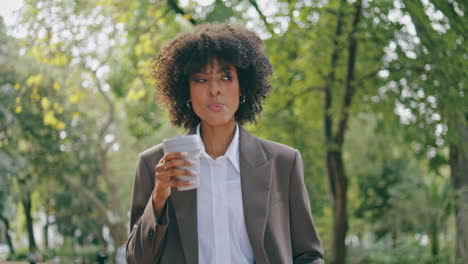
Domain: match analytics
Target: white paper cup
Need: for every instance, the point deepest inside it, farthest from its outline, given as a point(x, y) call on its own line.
point(191, 145)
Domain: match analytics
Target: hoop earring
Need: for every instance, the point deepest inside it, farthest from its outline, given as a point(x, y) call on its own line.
point(188, 104)
point(242, 99)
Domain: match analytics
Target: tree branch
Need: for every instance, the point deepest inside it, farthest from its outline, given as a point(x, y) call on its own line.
point(364, 77)
point(293, 97)
point(421, 23)
point(174, 6)
point(101, 209)
point(262, 16)
point(349, 85)
point(111, 117)
point(102, 148)
point(328, 120)
point(457, 23)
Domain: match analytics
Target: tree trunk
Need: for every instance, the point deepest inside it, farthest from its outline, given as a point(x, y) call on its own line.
point(27, 205)
point(340, 218)
point(457, 137)
point(7, 234)
point(117, 228)
point(434, 238)
point(111, 214)
point(46, 231)
point(459, 174)
point(337, 247)
point(335, 169)
point(394, 235)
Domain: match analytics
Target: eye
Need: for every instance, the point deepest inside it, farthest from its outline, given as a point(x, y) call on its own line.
point(227, 78)
point(199, 80)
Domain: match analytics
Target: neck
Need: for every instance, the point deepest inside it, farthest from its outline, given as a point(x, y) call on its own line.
point(217, 139)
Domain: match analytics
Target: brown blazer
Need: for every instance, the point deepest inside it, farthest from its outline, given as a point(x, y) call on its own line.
point(276, 208)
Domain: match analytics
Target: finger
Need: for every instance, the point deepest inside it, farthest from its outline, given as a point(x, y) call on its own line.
point(176, 183)
point(174, 155)
point(178, 163)
point(168, 157)
point(164, 165)
point(168, 174)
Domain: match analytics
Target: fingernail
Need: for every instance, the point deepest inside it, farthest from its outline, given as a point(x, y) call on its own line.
point(184, 154)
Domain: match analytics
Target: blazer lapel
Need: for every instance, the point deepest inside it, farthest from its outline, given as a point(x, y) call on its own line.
point(185, 209)
point(255, 172)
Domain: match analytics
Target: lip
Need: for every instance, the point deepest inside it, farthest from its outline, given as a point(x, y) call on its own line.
point(216, 107)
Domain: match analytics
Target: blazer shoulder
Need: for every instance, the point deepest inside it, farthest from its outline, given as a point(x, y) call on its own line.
point(153, 154)
point(275, 150)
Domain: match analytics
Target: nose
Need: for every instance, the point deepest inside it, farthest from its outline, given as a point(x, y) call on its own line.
point(214, 88)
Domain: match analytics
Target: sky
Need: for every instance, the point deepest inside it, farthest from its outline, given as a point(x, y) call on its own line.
point(7, 10)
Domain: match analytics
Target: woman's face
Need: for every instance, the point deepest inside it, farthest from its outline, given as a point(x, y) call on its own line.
point(214, 93)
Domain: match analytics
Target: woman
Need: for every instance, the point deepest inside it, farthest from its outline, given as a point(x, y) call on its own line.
point(252, 205)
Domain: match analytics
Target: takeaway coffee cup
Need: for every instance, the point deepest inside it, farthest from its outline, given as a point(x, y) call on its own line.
point(191, 145)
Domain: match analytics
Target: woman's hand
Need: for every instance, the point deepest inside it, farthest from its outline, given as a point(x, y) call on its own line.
point(165, 172)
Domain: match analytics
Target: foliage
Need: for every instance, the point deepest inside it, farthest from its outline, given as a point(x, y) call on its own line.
point(86, 254)
point(408, 251)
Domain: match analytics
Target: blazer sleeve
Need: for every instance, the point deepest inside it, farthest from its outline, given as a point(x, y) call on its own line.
point(305, 242)
point(147, 231)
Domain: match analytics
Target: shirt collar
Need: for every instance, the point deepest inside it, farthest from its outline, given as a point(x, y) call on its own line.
point(232, 153)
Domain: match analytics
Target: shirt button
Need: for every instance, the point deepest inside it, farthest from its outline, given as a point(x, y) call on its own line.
point(150, 235)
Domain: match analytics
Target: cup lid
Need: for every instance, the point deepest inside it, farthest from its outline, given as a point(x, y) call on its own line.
point(188, 141)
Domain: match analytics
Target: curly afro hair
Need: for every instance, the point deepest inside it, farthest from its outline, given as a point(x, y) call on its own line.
point(192, 51)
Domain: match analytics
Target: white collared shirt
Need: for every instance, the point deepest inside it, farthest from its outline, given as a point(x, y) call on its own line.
point(222, 234)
